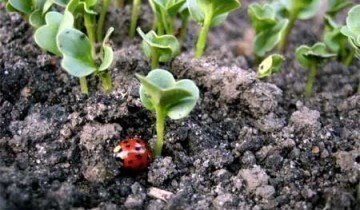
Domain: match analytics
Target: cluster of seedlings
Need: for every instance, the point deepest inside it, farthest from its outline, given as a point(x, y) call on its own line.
point(274, 21)
point(73, 30)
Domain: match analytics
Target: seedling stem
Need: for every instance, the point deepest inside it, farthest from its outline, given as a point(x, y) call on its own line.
point(106, 81)
point(83, 86)
point(200, 46)
point(101, 22)
point(154, 58)
point(184, 24)
point(311, 80)
point(288, 29)
point(90, 29)
point(160, 127)
point(134, 17)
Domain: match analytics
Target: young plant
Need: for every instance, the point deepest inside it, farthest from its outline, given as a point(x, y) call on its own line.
point(134, 17)
point(352, 28)
point(160, 93)
point(32, 10)
point(209, 13)
point(337, 42)
point(165, 12)
point(268, 28)
point(159, 48)
point(296, 10)
point(310, 58)
point(60, 37)
point(270, 65)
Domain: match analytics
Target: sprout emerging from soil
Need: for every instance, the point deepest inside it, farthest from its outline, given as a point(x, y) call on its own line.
point(159, 48)
point(268, 28)
point(59, 36)
point(270, 65)
point(296, 10)
point(310, 58)
point(165, 13)
point(160, 93)
point(209, 13)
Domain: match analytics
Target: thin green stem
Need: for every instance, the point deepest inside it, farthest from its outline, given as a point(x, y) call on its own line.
point(154, 58)
point(83, 85)
point(201, 43)
point(349, 58)
point(165, 23)
point(311, 80)
point(100, 25)
point(90, 30)
point(288, 29)
point(134, 17)
point(160, 128)
point(106, 81)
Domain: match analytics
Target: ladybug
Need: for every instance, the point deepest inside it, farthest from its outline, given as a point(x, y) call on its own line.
point(135, 154)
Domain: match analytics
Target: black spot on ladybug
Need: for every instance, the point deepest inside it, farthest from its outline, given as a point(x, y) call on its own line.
point(138, 141)
point(128, 146)
point(139, 157)
point(137, 148)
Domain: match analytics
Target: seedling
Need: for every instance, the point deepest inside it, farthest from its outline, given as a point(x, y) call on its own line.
point(337, 42)
point(268, 28)
point(352, 28)
point(270, 65)
point(209, 13)
point(160, 93)
point(165, 12)
point(296, 10)
point(310, 58)
point(134, 17)
point(31, 10)
point(60, 37)
point(159, 48)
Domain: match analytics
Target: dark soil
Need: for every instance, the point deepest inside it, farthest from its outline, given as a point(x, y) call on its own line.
point(248, 144)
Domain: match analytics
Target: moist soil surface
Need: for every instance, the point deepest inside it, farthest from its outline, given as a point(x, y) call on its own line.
point(248, 144)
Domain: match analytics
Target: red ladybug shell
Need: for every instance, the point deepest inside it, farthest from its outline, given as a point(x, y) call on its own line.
point(135, 154)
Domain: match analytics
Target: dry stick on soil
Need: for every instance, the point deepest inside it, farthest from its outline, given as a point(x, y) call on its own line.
point(160, 194)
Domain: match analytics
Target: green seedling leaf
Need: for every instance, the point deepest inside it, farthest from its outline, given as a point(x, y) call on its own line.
point(270, 65)
point(214, 10)
point(307, 56)
point(166, 47)
point(352, 28)
point(36, 19)
point(23, 6)
point(266, 40)
point(262, 17)
point(107, 52)
point(45, 36)
point(10, 8)
point(304, 9)
point(76, 50)
point(160, 93)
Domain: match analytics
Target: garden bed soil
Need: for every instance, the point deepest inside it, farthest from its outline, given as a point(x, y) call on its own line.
point(248, 144)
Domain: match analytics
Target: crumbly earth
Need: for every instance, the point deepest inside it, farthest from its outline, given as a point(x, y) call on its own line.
point(248, 144)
